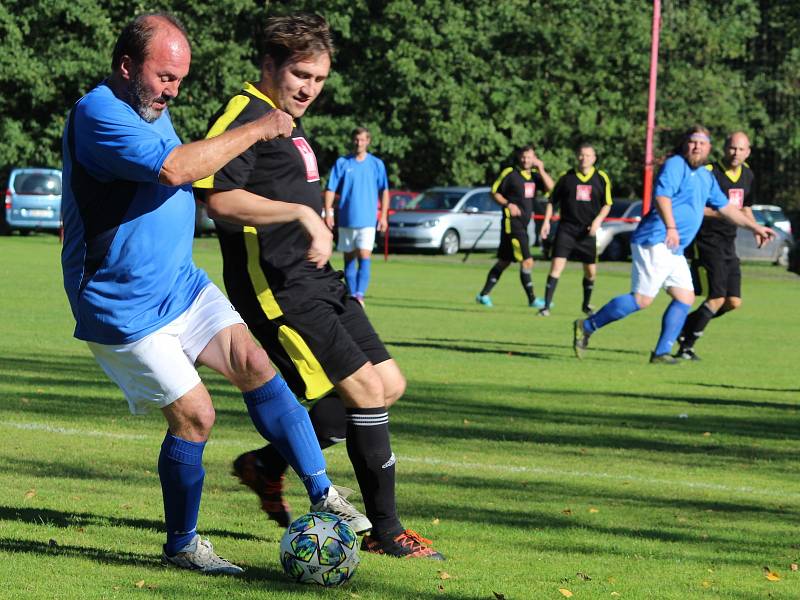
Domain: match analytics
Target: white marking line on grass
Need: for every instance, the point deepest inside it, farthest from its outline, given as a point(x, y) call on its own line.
point(478, 467)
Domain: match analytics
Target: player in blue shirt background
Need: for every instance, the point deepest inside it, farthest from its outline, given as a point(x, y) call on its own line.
point(683, 189)
point(360, 180)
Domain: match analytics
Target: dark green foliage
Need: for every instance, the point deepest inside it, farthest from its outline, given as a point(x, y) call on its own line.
point(449, 88)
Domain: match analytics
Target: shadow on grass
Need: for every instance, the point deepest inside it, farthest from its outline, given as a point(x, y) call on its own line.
point(57, 518)
point(727, 386)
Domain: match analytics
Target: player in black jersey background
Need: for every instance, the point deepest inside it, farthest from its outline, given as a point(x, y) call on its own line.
point(715, 266)
point(515, 190)
point(583, 198)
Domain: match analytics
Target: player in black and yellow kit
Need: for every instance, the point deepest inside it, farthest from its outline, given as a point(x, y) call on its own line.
point(715, 266)
point(514, 190)
point(583, 198)
point(278, 276)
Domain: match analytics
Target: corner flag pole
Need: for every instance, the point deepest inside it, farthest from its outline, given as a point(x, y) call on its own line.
point(651, 109)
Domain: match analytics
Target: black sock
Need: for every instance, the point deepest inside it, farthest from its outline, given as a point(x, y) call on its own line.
point(588, 287)
point(491, 280)
point(722, 311)
point(549, 290)
point(527, 285)
point(695, 324)
point(329, 418)
point(374, 464)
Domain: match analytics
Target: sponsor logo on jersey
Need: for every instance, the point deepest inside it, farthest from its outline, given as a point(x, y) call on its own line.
point(304, 148)
point(530, 189)
point(583, 193)
point(736, 197)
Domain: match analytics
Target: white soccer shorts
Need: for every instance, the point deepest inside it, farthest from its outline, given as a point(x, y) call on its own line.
point(351, 238)
point(656, 267)
point(159, 368)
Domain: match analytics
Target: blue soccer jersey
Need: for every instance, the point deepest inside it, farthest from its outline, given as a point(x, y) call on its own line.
point(358, 184)
point(690, 190)
point(127, 256)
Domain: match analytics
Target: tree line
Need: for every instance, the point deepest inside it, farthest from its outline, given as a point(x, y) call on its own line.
point(449, 88)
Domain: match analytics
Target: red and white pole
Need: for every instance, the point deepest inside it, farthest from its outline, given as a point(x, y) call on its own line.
point(651, 109)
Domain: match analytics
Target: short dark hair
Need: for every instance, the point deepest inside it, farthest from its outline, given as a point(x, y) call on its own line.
point(523, 149)
point(359, 131)
point(135, 38)
point(298, 36)
point(583, 146)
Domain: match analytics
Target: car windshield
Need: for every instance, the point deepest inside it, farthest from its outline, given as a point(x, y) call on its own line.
point(435, 200)
point(37, 184)
point(768, 216)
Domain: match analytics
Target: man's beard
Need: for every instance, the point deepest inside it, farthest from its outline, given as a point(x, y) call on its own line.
point(695, 161)
point(141, 101)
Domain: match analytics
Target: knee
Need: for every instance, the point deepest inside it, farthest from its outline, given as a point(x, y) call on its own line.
point(394, 389)
point(251, 368)
point(643, 301)
point(527, 264)
point(732, 303)
point(198, 424)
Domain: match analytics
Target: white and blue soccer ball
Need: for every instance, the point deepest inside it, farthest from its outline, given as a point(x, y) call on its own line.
point(319, 548)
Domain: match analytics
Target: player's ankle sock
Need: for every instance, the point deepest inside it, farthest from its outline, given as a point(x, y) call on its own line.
point(696, 324)
point(722, 311)
point(671, 325)
point(588, 287)
point(616, 309)
point(549, 290)
point(373, 461)
point(329, 418)
point(527, 284)
point(491, 280)
point(362, 279)
point(351, 274)
point(180, 468)
point(280, 419)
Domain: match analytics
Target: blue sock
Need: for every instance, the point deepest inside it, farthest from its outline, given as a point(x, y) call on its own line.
point(180, 468)
point(364, 272)
point(280, 419)
point(671, 325)
point(614, 310)
point(350, 274)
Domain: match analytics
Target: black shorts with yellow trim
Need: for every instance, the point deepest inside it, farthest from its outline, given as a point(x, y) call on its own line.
point(514, 243)
point(313, 331)
point(717, 274)
point(573, 242)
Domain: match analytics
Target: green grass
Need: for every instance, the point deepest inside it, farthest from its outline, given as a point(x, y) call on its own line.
point(532, 471)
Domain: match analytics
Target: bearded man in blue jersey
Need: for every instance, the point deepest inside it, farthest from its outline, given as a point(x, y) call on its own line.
point(147, 313)
point(683, 189)
point(360, 180)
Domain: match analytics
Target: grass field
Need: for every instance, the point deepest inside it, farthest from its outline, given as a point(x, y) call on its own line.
point(538, 476)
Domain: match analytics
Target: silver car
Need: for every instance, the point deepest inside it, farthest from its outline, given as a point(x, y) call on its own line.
point(33, 200)
point(449, 219)
point(776, 251)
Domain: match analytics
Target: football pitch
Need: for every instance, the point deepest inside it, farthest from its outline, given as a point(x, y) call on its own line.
point(537, 475)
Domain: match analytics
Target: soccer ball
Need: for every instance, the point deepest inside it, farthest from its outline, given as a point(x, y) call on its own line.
point(319, 548)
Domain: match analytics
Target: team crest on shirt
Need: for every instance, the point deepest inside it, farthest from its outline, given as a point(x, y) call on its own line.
point(310, 161)
point(583, 193)
point(736, 197)
point(530, 189)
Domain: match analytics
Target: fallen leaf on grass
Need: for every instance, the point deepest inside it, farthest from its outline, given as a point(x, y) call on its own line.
point(771, 575)
point(706, 434)
point(582, 576)
point(565, 592)
point(706, 584)
point(440, 587)
point(466, 422)
point(499, 596)
point(444, 575)
point(435, 521)
point(793, 566)
point(594, 510)
point(139, 584)
point(615, 594)
point(567, 511)
point(30, 494)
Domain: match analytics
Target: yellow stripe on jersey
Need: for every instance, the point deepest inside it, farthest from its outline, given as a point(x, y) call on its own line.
point(234, 108)
point(307, 365)
point(260, 285)
point(604, 175)
point(507, 220)
point(502, 176)
point(584, 178)
point(251, 89)
point(517, 249)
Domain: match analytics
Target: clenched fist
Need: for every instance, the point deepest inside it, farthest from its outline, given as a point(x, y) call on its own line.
point(275, 124)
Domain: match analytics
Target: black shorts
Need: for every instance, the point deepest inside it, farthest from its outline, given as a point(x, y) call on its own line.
point(717, 275)
point(314, 332)
point(573, 242)
point(514, 243)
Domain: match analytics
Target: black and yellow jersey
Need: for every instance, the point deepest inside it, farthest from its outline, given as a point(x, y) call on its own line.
point(519, 187)
point(579, 198)
point(738, 187)
point(281, 169)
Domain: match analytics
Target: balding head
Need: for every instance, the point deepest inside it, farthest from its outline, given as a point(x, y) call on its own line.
point(135, 39)
point(737, 150)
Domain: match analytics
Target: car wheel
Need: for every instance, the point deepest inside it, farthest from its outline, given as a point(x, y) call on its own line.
point(450, 242)
point(24, 232)
point(782, 260)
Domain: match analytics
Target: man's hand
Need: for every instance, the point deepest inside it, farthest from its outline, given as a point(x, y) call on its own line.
point(513, 209)
point(275, 124)
point(593, 229)
point(321, 238)
point(763, 235)
point(672, 239)
point(383, 223)
point(545, 230)
point(329, 219)
point(537, 163)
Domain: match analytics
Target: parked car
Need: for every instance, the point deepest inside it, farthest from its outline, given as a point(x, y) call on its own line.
point(448, 219)
point(777, 251)
point(614, 236)
point(400, 200)
point(33, 200)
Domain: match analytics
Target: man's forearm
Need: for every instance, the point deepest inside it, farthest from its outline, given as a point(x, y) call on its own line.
point(500, 199)
point(328, 201)
point(385, 204)
point(548, 181)
point(738, 217)
point(245, 208)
